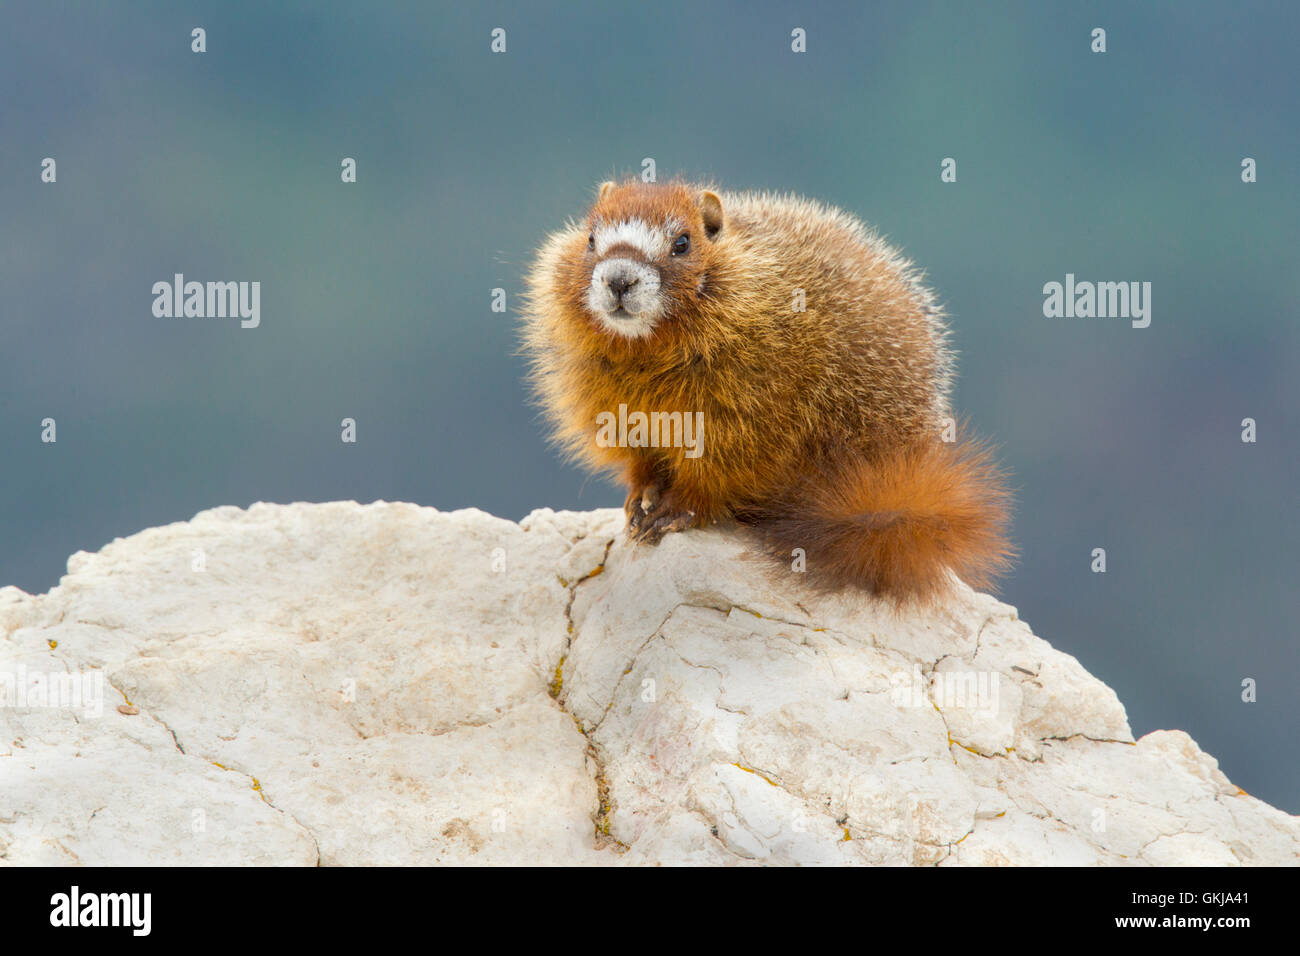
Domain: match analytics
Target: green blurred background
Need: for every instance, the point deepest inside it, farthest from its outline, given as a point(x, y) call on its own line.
point(376, 296)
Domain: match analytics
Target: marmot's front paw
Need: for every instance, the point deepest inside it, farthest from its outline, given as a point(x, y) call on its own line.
point(639, 500)
point(652, 513)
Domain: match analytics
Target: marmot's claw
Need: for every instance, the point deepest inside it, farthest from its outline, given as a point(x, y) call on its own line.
point(674, 522)
point(639, 525)
point(652, 512)
point(636, 507)
point(650, 526)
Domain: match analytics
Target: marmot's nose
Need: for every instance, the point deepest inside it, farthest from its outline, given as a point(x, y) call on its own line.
point(620, 284)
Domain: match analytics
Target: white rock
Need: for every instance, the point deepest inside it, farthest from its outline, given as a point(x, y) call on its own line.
point(387, 684)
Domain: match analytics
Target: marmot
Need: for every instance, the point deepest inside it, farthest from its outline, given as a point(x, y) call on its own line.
point(812, 355)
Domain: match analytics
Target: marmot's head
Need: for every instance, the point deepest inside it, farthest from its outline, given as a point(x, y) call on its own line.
point(648, 254)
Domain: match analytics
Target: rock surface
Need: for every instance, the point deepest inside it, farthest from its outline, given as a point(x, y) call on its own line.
point(388, 684)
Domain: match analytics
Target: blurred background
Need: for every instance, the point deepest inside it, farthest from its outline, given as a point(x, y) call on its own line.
point(376, 296)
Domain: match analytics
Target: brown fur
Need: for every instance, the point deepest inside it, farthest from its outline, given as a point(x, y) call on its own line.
point(896, 522)
point(821, 427)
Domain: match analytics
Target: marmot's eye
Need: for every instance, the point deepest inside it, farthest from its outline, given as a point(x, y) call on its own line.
point(681, 244)
point(591, 241)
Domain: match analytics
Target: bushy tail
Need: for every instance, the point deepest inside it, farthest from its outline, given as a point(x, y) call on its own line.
point(896, 524)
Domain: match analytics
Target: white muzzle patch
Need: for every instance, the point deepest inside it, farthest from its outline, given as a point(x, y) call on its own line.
point(651, 241)
point(624, 297)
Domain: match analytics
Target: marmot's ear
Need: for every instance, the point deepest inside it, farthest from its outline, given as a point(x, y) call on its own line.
point(605, 187)
point(711, 210)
